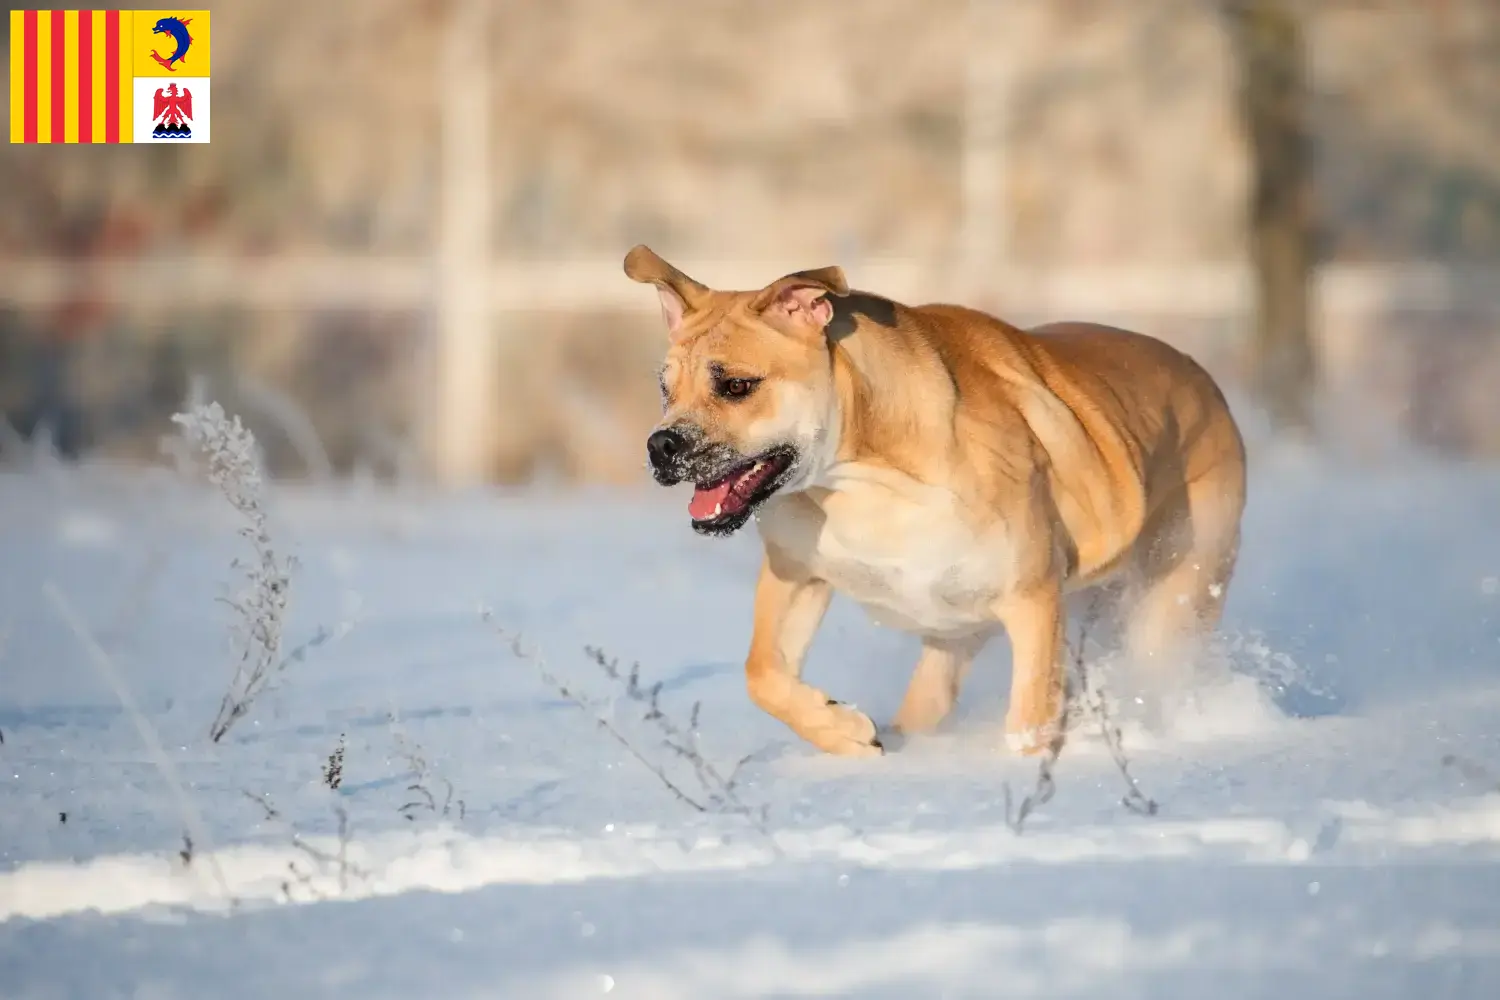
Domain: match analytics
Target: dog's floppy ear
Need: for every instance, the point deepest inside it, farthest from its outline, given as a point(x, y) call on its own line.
point(679, 293)
point(802, 295)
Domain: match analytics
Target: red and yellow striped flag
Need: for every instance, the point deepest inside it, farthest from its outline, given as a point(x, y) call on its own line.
point(71, 76)
point(91, 75)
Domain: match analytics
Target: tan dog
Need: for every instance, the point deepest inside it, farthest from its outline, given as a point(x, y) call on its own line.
point(950, 473)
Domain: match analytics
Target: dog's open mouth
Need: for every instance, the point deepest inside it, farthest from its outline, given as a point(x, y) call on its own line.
point(725, 504)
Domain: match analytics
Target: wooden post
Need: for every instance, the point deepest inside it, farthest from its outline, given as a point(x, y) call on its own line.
point(1268, 45)
point(997, 35)
point(462, 413)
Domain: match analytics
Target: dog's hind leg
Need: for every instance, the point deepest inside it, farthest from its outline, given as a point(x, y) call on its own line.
point(788, 610)
point(936, 681)
point(1182, 577)
point(1034, 621)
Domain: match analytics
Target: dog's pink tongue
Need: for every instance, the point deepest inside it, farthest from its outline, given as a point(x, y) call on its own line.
point(711, 501)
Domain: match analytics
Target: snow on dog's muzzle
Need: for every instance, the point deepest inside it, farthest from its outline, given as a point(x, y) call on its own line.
point(665, 449)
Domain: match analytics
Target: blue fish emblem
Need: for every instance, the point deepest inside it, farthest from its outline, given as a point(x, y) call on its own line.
point(177, 28)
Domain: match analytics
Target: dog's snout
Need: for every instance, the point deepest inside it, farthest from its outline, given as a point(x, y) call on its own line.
point(663, 446)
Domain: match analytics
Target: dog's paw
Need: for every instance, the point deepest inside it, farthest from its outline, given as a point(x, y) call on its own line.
point(1028, 741)
point(846, 731)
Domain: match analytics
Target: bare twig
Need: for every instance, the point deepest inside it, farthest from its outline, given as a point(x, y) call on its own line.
point(1134, 799)
point(720, 793)
point(339, 861)
point(196, 831)
point(1093, 701)
point(299, 876)
point(422, 773)
point(1081, 692)
point(720, 788)
point(1040, 795)
point(556, 683)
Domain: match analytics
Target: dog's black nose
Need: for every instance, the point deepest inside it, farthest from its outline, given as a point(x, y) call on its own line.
point(663, 446)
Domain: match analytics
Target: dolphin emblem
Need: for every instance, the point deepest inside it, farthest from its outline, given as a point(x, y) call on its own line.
point(177, 28)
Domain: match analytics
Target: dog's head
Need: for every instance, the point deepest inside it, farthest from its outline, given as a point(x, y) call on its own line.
point(748, 400)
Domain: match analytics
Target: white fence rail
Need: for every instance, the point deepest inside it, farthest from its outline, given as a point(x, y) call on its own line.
point(387, 284)
point(466, 397)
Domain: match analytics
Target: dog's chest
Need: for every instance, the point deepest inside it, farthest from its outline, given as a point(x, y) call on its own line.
point(901, 550)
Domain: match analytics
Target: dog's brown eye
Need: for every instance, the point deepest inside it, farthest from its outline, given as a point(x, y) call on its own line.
point(736, 388)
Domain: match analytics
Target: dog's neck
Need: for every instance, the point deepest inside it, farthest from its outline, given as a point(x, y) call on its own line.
point(880, 403)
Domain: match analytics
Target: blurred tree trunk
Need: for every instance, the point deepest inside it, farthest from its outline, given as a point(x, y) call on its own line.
point(1267, 45)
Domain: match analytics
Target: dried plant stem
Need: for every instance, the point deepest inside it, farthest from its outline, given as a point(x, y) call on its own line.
point(422, 772)
point(719, 790)
point(1080, 689)
point(197, 832)
point(338, 861)
point(234, 466)
point(1094, 701)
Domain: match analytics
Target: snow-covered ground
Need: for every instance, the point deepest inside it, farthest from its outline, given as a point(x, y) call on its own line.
point(1311, 840)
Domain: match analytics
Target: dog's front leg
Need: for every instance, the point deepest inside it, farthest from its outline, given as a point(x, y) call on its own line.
point(788, 610)
point(1034, 621)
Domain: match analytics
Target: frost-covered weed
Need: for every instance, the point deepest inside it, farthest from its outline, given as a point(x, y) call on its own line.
point(719, 791)
point(313, 878)
point(260, 603)
point(423, 777)
point(1085, 700)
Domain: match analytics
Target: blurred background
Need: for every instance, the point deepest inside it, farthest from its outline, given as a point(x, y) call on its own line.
point(400, 255)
